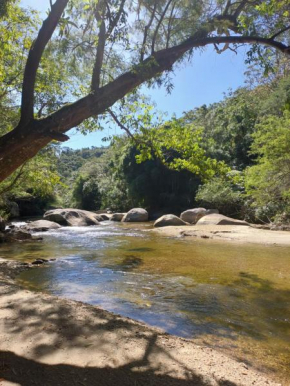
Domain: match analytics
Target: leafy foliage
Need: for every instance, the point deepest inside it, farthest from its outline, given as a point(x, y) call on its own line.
point(268, 182)
point(222, 194)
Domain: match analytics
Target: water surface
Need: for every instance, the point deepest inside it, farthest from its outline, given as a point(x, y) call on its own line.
point(231, 296)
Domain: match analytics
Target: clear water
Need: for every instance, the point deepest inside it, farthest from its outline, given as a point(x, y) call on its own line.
point(231, 296)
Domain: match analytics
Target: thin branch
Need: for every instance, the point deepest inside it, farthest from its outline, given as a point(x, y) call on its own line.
point(169, 25)
point(147, 27)
point(123, 127)
point(34, 58)
point(159, 24)
point(115, 21)
point(13, 182)
point(280, 32)
point(241, 7)
point(227, 7)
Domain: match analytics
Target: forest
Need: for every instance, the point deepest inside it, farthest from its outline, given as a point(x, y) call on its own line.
point(232, 155)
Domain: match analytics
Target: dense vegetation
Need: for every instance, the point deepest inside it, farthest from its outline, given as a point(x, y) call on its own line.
point(88, 55)
point(231, 155)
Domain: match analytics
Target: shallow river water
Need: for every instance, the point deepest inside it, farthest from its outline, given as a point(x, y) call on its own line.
point(232, 296)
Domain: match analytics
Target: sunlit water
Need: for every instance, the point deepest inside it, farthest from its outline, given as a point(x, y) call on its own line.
point(231, 296)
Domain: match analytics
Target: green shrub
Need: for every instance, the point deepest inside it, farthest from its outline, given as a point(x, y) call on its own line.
point(221, 194)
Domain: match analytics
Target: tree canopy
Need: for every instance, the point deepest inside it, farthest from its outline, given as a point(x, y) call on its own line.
point(109, 48)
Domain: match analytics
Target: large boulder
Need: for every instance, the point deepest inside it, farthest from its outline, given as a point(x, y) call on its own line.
point(117, 216)
point(41, 226)
point(136, 215)
point(72, 217)
point(219, 219)
point(167, 220)
point(16, 234)
point(193, 215)
point(2, 224)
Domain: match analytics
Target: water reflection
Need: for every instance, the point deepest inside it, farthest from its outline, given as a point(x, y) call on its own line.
point(231, 296)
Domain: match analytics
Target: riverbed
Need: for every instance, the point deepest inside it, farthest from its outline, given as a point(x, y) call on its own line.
point(232, 297)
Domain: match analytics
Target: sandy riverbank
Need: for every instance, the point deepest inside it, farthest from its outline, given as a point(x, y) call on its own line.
point(45, 340)
point(242, 234)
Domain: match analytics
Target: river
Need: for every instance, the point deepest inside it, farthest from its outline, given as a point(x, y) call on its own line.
point(234, 297)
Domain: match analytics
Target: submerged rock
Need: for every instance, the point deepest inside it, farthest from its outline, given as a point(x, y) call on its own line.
point(136, 215)
point(169, 219)
point(72, 217)
point(219, 219)
point(39, 261)
point(117, 216)
point(41, 226)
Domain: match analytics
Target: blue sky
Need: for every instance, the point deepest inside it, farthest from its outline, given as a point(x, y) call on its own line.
point(203, 81)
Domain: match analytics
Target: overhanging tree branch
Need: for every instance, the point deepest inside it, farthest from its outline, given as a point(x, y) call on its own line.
point(34, 58)
point(22, 143)
point(94, 104)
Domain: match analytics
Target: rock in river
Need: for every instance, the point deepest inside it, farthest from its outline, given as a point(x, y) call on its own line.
point(193, 215)
point(117, 216)
point(17, 234)
point(41, 226)
point(72, 217)
point(167, 220)
point(219, 219)
point(136, 215)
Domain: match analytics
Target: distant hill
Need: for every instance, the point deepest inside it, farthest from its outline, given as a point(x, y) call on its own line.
point(70, 160)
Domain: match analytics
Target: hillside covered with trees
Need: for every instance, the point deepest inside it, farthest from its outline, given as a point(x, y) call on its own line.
point(231, 155)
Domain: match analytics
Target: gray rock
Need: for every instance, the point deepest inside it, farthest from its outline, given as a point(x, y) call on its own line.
point(117, 216)
point(17, 234)
point(219, 219)
point(167, 220)
point(193, 215)
point(72, 217)
point(136, 215)
point(41, 225)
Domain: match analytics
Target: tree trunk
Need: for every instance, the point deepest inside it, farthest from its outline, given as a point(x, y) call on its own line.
point(17, 147)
